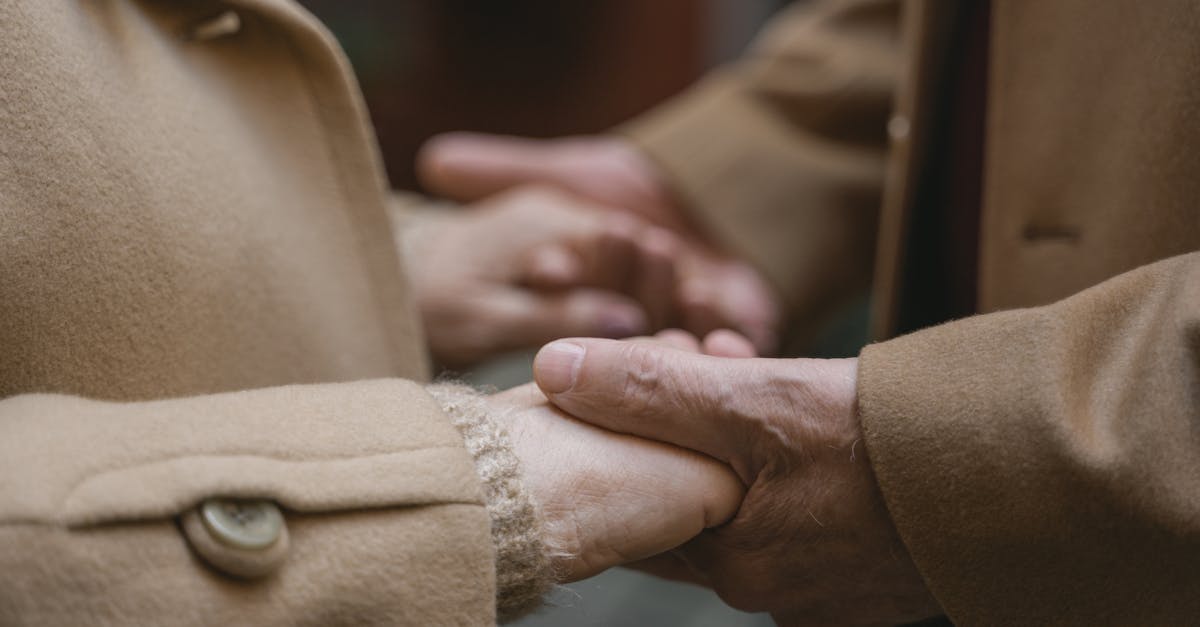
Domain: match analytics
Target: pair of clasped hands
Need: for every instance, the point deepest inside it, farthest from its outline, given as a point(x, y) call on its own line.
point(688, 458)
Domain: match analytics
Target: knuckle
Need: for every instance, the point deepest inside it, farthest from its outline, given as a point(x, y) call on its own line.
point(657, 379)
point(642, 381)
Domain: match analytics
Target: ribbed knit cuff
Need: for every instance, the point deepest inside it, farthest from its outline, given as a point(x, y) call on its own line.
point(523, 568)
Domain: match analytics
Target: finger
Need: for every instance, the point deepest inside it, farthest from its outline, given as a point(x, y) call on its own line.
point(650, 391)
point(673, 338)
point(612, 257)
point(722, 292)
point(470, 166)
point(553, 267)
point(678, 339)
point(612, 252)
point(726, 343)
point(654, 280)
point(624, 254)
point(604, 248)
point(751, 304)
point(700, 309)
point(526, 318)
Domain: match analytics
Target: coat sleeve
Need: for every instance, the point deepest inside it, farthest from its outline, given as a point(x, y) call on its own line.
point(780, 157)
point(1043, 465)
point(383, 515)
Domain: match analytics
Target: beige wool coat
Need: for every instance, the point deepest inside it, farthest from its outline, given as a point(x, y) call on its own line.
point(1042, 460)
point(200, 297)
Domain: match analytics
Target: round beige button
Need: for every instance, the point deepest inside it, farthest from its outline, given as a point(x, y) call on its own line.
point(242, 524)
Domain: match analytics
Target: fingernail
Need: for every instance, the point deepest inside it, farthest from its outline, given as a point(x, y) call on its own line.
point(557, 365)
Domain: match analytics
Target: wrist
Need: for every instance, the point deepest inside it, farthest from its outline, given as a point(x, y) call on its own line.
point(524, 572)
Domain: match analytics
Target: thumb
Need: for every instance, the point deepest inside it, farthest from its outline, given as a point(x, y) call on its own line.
point(471, 166)
point(650, 391)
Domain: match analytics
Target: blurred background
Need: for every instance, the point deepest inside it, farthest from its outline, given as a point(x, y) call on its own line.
point(542, 68)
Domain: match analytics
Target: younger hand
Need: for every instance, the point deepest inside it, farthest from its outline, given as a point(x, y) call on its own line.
point(717, 289)
point(531, 265)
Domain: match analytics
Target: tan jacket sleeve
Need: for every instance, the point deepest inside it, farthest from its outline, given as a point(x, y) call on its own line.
point(1043, 465)
point(382, 510)
point(781, 156)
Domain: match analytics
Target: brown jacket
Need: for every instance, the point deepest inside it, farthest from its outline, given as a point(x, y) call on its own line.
point(192, 207)
point(1042, 460)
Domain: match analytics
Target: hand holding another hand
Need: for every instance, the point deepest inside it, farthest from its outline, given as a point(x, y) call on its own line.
point(608, 498)
point(533, 264)
point(716, 290)
point(812, 543)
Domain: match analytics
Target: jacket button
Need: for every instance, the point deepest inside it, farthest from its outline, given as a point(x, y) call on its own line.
point(250, 525)
point(239, 537)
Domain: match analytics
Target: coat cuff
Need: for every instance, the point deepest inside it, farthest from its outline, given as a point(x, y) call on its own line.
point(1049, 455)
point(935, 428)
point(382, 509)
point(523, 566)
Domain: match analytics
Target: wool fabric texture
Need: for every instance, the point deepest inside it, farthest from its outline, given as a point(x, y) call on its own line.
point(523, 567)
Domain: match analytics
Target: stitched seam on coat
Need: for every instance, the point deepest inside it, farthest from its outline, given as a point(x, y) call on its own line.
point(77, 485)
point(274, 458)
point(82, 481)
point(28, 522)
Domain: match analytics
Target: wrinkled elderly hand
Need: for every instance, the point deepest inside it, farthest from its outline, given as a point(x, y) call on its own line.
point(812, 543)
point(717, 290)
point(531, 265)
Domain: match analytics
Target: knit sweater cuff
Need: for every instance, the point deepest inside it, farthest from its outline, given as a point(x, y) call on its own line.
point(523, 567)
